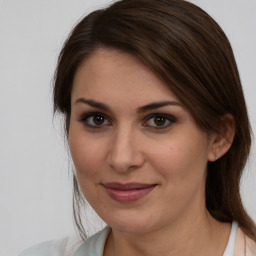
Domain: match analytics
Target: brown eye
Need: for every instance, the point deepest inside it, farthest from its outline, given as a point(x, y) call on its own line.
point(95, 120)
point(98, 120)
point(160, 120)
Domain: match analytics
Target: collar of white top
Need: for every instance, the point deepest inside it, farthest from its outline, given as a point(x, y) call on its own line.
point(94, 245)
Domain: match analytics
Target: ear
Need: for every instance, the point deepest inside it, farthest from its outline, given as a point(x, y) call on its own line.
point(223, 139)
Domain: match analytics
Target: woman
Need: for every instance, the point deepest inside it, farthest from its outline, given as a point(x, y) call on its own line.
point(158, 132)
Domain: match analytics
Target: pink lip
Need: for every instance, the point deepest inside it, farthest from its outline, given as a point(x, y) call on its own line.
point(128, 192)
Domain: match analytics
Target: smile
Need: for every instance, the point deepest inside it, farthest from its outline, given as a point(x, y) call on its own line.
point(128, 192)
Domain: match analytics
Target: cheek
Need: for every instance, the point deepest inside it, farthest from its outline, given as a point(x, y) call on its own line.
point(87, 156)
point(182, 165)
point(181, 158)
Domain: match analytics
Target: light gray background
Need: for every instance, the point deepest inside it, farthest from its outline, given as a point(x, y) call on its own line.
point(35, 184)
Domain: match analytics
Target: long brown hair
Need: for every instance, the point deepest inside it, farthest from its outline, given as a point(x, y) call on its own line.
point(190, 53)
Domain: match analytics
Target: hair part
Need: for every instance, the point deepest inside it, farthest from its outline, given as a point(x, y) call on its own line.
point(189, 52)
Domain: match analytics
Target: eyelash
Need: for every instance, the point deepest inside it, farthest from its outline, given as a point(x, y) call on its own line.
point(86, 117)
point(165, 118)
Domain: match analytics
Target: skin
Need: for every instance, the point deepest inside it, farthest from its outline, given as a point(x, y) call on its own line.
point(127, 144)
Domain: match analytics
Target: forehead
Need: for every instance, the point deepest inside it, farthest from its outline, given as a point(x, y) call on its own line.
point(110, 73)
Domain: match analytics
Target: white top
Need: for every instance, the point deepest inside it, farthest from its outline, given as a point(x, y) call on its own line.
point(238, 245)
point(229, 251)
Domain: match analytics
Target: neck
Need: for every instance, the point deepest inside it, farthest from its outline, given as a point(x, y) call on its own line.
point(200, 235)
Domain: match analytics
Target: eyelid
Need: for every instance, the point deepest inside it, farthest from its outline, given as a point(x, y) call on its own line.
point(89, 114)
point(86, 116)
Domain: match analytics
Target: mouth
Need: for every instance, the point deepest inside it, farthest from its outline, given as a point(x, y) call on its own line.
point(128, 192)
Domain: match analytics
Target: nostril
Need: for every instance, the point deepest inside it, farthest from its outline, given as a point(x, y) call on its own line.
point(125, 162)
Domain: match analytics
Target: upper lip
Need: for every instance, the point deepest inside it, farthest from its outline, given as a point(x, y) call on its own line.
point(127, 186)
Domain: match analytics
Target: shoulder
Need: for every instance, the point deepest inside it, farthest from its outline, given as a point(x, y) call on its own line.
point(42, 249)
point(61, 247)
point(250, 246)
point(244, 245)
point(71, 246)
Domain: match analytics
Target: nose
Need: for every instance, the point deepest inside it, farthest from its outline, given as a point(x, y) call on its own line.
point(124, 152)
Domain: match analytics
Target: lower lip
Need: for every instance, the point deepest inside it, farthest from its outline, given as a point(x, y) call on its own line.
point(125, 196)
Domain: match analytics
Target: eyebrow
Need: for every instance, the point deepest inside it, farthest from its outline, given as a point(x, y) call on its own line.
point(148, 107)
point(93, 103)
point(156, 105)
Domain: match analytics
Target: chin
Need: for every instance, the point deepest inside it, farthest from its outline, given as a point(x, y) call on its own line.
point(130, 223)
point(135, 228)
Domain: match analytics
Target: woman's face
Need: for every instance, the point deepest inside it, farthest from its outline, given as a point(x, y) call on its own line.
point(139, 156)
